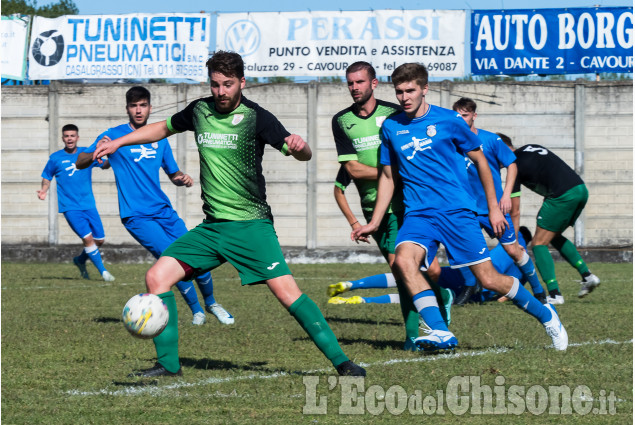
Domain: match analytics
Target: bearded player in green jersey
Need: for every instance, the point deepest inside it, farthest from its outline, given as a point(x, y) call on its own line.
point(231, 133)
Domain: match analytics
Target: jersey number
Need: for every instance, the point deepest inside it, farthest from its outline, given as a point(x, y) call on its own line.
point(540, 151)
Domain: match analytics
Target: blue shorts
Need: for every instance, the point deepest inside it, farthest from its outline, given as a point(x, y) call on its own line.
point(507, 238)
point(458, 231)
point(86, 222)
point(156, 232)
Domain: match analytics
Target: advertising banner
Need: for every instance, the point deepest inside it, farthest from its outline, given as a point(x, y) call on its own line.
point(163, 45)
point(325, 43)
point(552, 41)
point(13, 34)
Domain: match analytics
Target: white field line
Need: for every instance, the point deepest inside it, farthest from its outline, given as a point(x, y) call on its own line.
point(157, 390)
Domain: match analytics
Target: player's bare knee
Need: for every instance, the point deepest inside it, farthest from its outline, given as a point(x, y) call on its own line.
point(405, 266)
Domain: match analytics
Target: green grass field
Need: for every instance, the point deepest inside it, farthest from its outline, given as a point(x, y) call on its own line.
point(66, 355)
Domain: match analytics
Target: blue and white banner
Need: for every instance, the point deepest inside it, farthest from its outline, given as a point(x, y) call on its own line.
point(552, 41)
point(13, 34)
point(162, 45)
point(325, 43)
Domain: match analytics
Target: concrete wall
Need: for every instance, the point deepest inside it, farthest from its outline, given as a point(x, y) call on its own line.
point(589, 124)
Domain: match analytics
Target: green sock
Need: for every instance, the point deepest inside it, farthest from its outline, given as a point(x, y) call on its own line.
point(546, 267)
point(569, 252)
point(167, 343)
point(309, 316)
point(408, 311)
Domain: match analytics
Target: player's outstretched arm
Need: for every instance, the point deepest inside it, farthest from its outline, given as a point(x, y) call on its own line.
point(496, 218)
point(147, 134)
point(385, 190)
point(298, 148)
point(505, 203)
point(44, 189)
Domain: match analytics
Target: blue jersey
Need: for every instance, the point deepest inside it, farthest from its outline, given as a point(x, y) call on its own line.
point(498, 155)
point(428, 153)
point(136, 169)
point(74, 187)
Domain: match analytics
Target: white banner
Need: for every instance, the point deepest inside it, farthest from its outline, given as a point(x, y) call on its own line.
point(162, 45)
point(13, 32)
point(325, 43)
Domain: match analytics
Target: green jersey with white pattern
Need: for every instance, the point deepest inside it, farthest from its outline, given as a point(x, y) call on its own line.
point(230, 148)
point(358, 138)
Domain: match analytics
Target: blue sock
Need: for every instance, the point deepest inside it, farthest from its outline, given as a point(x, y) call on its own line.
point(383, 299)
point(92, 252)
point(468, 276)
point(384, 280)
point(426, 304)
point(82, 257)
point(524, 300)
point(526, 266)
point(189, 294)
point(206, 286)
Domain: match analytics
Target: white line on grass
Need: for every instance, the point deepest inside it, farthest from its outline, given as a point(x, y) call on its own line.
point(156, 390)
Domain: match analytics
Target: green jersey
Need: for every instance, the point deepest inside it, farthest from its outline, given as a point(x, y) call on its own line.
point(358, 138)
point(230, 148)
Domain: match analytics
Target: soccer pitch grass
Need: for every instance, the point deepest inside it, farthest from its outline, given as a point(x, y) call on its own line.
point(66, 355)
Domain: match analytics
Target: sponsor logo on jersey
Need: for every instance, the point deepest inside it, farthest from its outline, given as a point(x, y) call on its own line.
point(367, 142)
point(431, 131)
point(218, 140)
point(237, 119)
point(380, 120)
point(403, 132)
point(273, 266)
point(145, 153)
point(482, 250)
point(348, 127)
point(418, 145)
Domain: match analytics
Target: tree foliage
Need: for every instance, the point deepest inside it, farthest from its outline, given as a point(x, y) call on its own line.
point(30, 7)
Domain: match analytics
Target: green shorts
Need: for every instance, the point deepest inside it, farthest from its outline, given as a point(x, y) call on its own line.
point(386, 235)
point(556, 214)
point(251, 246)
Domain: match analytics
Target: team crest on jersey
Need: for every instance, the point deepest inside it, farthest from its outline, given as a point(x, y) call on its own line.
point(237, 119)
point(155, 145)
point(380, 120)
point(431, 131)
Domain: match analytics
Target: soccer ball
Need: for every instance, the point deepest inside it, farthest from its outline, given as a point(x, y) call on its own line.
point(145, 316)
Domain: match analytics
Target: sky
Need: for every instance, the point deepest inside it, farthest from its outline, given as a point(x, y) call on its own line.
point(92, 7)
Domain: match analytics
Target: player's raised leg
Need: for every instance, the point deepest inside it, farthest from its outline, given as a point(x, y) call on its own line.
point(309, 316)
point(522, 298)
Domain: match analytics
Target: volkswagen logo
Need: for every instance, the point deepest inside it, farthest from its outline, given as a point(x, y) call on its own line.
point(48, 48)
point(243, 37)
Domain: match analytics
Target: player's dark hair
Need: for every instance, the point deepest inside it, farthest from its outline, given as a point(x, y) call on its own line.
point(70, 127)
point(410, 72)
point(230, 64)
point(506, 139)
point(464, 104)
point(362, 65)
point(136, 94)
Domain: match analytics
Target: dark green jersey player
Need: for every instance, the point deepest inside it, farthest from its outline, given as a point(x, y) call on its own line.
point(565, 196)
point(231, 133)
